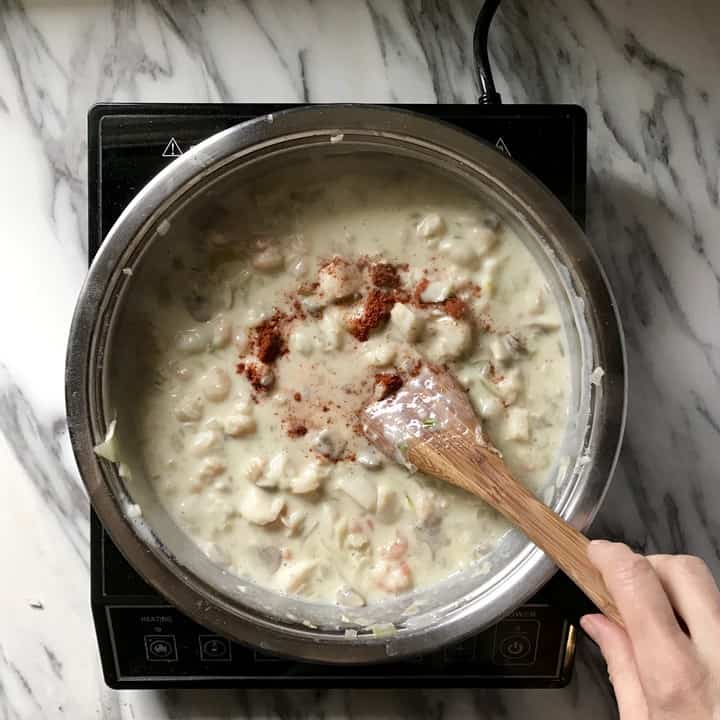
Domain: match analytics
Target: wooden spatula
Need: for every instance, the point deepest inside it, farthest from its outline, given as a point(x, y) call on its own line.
point(429, 424)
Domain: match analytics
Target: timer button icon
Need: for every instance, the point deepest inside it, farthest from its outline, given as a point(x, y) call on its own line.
point(215, 648)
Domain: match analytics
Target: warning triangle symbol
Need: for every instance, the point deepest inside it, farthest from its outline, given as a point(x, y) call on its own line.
point(502, 147)
point(172, 149)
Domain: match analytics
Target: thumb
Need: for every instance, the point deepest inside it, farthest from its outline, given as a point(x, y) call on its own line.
point(616, 648)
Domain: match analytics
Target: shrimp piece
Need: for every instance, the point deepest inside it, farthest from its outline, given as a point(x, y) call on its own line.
point(396, 550)
point(363, 524)
point(392, 576)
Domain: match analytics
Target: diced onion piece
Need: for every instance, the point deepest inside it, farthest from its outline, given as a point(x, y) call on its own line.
point(382, 630)
point(191, 342)
point(240, 340)
point(329, 444)
point(277, 471)
point(270, 557)
point(293, 520)
point(108, 447)
point(459, 251)
point(309, 479)
point(133, 511)
point(370, 458)
point(451, 339)
point(387, 503)
point(518, 424)
point(221, 332)
point(205, 441)
point(190, 409)
point(483, 239)
point(358, 487)
point(405, 323)
point(437, 291)
point(511, 386)
point(211, 467)
point(239, 424)
point(291, 577)
point(215, 384)
point(260, 507)
point(380, 354)
point(357, 540)
point(486, 277)
point(313, 304)
point(347, 597)
point(332, 329)
point(544, 324)
point(299, 267)
point(490, 407)
point(255, 468)
point(499, 350)
point(301, 340)
point(431, 225)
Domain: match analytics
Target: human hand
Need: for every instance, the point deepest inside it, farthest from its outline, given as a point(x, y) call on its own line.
point(658, 671)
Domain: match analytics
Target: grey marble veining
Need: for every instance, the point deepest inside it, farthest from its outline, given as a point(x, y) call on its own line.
point(647, 73)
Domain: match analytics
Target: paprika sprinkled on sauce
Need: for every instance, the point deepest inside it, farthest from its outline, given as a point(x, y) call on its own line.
point(375, 312)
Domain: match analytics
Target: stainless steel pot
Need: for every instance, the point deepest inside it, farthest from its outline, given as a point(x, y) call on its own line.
point(168, 560)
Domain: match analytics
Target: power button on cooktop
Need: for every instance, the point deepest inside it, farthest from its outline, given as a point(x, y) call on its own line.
point(516, 642)
point(515, 647)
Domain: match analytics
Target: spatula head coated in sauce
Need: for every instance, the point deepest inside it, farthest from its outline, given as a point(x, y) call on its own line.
point(430, 406)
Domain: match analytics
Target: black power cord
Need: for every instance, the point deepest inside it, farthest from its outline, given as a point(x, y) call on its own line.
point(488, 94)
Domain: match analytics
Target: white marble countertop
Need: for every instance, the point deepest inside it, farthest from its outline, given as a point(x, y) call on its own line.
point(647, 72)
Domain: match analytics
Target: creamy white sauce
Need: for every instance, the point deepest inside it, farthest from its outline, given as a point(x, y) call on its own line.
point(274, 481)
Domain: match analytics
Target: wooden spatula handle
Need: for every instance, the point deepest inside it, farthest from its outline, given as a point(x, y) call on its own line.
point(483, 473)
point(566, 546)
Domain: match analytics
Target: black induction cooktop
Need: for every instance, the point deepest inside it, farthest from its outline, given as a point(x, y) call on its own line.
point(146, 643)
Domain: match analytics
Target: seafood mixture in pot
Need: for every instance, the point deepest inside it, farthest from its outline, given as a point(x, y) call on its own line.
point(268, 332)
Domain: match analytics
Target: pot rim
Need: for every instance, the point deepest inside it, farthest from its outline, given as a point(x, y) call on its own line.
point(188, 172)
